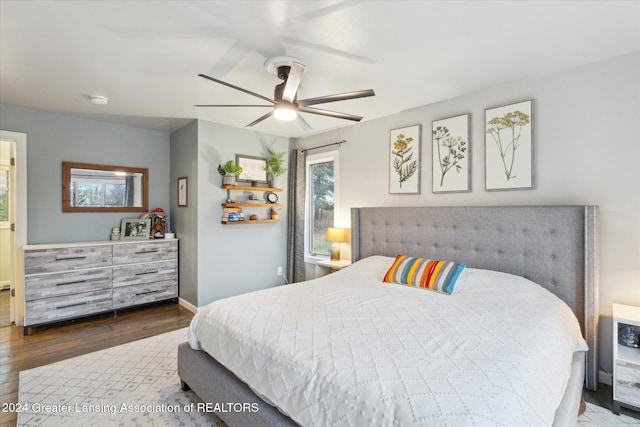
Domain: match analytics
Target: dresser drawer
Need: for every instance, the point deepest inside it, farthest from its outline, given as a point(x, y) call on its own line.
point(64, 259)
point(59, 284)
point(157, 250)
point(142, 294)
point(627, 383)
point(67, 307)
point(139, 274)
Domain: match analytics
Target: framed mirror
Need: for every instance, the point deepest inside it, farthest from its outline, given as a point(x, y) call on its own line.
point(101, 188)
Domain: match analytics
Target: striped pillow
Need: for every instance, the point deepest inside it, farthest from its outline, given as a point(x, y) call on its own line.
point(439, 276)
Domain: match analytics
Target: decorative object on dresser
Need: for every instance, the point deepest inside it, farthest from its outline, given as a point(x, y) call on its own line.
point(626, 357)
point(135, 229)
point(159, 223)
point(404, 160)
point(70, 280)
point(509, 147)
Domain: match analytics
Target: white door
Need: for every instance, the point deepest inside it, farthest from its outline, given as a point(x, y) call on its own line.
point(18, 219)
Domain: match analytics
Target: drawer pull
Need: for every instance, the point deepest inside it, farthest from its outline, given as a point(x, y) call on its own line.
point(71, 283)
point(149, 292)
point(72, 305)
point(152, 251)
point(72, 257)
point(147, 272)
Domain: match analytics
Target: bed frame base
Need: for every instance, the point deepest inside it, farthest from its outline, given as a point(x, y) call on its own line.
point(213, 383)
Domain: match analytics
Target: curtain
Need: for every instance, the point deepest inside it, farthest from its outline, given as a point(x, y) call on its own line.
point(295, 227)
point(128, 190)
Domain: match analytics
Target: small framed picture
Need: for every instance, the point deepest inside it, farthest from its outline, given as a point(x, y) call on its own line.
point(254, 169)
point(182, 192)
point(135, 228)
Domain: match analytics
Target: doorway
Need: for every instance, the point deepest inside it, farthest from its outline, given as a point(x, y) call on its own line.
point(13, 218)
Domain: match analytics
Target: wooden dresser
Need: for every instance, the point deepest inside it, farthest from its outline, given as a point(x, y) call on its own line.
point(70, 280)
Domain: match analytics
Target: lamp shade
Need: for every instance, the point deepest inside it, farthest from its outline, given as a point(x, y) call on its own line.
point(335, 235)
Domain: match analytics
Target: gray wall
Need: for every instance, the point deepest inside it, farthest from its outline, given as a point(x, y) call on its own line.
point(586, 152)
point(223, 260)
point(184, 220)
point(54, 138)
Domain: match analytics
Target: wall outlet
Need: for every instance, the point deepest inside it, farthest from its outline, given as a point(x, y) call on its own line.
point(279, 272)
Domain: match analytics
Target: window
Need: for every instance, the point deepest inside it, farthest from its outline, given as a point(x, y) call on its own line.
point(321, 200)
point(4, 194)
point(99, 191)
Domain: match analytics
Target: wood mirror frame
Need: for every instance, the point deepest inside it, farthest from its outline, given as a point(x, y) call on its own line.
point(66, 188)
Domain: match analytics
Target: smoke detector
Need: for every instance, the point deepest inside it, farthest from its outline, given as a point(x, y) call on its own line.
point(100, 100)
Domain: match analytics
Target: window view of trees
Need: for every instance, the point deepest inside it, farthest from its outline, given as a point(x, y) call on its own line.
point(4, 195)
point(322, 205)
point(89, 194)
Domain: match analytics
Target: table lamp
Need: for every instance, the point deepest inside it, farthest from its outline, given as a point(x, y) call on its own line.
point(335, 235)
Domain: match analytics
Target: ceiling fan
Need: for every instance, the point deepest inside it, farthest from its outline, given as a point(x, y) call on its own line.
point(285, 103)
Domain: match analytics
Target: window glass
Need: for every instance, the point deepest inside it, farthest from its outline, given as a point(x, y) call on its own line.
point(4, 194)
point(321, 202)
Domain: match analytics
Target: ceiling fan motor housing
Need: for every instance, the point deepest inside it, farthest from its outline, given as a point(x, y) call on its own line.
point(279, 89)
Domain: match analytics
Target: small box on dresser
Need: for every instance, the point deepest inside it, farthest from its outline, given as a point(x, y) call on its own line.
point(626, 357)
point(70, 280)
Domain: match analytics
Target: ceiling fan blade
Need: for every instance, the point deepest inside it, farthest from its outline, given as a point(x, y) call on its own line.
point(303, 123)
point(328, 113)
point(255, 122)
point(237, 88)
point(293, 81)
point(337, 97)
point(212, 105)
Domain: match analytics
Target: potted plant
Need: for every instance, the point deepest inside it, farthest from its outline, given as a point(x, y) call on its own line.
point(229, 171)
point(275, 166)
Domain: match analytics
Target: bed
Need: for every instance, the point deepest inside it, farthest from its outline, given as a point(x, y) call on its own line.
point(364, 352)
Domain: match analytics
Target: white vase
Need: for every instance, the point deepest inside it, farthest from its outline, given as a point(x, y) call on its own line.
point(229, 180)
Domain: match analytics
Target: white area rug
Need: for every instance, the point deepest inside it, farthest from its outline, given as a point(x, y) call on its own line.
point(136, 384)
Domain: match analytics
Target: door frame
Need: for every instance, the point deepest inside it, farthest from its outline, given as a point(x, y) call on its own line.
point(19, 236)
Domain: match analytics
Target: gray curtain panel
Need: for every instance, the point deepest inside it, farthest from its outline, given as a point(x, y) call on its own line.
point(295, 227)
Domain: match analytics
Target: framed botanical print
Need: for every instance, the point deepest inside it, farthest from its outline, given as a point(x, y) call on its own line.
point(254, 169)
point(451, 166)
point(509, 147)
point(404, 160)
point(182, 192)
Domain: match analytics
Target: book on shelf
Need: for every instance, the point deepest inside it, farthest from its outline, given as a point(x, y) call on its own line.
point(232, 214)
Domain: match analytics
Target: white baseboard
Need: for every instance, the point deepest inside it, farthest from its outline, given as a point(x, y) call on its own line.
point(5, 284)
point(186, 304)
point(605, 377)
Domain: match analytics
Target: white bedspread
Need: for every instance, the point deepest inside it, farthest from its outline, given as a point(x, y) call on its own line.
point(347, 349)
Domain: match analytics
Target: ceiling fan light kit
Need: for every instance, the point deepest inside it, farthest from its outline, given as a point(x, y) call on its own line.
point(285, 105)
point(285, 111)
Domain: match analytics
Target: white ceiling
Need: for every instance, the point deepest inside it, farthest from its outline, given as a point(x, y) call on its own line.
point(145, 55)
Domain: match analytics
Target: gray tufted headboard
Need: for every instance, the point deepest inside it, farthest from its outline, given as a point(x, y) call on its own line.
point(554, 246)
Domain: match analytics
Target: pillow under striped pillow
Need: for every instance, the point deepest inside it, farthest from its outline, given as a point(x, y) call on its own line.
point(439, 276)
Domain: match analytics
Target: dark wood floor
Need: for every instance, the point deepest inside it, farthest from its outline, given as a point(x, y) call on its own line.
point(49, 344)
